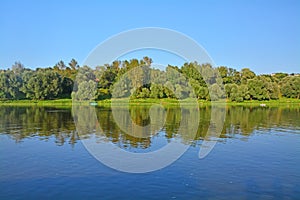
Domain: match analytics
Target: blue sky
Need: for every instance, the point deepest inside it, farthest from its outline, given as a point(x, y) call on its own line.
point(261, 35)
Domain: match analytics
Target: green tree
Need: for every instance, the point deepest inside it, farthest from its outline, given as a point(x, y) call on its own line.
point(203, 93)
point(228, 88)
point(74, 64)
point(169, 89)
point(145, 93)
point(246, 74)
point(239, 93)
point(290, 87)
point(157, 91)
point(87, 90)
point(43, 84)
point(215, 92)
point(10, 84)
point(277, 77)
point(258, 89)
point(18, 67)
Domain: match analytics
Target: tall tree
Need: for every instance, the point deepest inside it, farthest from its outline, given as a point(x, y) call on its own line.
point(74, 64)
point(18, 67)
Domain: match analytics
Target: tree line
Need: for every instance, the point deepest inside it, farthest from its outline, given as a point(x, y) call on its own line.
point(125, 78)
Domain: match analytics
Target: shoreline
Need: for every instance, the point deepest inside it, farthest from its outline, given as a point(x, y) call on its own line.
point(141, 102)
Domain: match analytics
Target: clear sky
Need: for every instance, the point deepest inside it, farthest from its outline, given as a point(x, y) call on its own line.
point(261, 35)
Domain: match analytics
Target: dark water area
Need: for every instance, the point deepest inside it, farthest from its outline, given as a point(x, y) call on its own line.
point(256, 156)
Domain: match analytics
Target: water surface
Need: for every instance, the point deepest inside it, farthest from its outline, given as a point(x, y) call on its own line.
point(256, 156)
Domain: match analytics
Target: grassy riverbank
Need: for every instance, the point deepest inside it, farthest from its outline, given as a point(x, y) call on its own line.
point(58, 102)
point(165, 102)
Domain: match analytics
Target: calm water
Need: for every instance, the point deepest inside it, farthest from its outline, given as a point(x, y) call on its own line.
point(256, 156)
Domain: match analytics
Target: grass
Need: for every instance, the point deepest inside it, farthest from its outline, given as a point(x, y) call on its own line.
point(164, 102)
point(270, 103)
point(57, 102)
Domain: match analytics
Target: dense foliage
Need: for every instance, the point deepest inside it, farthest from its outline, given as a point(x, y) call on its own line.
point(123, 79)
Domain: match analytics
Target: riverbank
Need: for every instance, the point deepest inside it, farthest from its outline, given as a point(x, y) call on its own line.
point(165, 102)
point(56, 102)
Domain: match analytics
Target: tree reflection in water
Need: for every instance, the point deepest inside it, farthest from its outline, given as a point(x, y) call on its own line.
point(45, 122)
